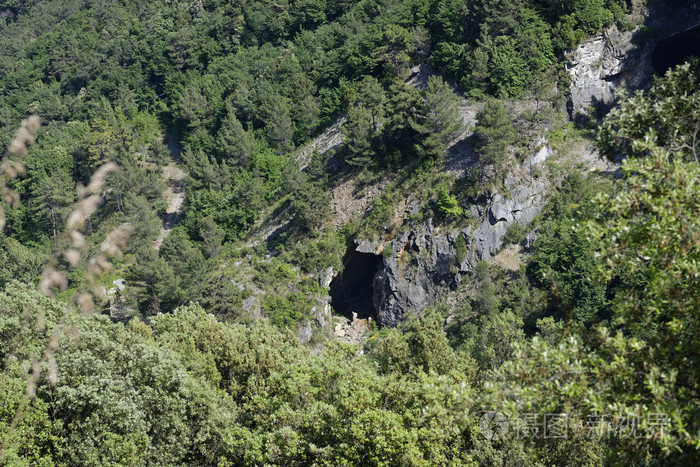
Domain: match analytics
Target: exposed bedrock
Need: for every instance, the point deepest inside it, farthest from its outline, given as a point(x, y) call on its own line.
point(629, 59)
point(386, 280)
point(423, 264)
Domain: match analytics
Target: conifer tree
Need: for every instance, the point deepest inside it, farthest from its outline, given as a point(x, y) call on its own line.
point(358, 136)
point(438, 120)
point(233, 142)
point(494, 132)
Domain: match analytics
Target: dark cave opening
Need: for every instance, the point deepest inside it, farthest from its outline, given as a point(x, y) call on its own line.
point(676, 50)
point(352, 289)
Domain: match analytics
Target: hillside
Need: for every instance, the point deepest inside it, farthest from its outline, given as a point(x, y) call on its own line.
point(372, 232)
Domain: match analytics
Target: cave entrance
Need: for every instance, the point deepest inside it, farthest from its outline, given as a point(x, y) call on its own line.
point(352, 289)
point(676, 50)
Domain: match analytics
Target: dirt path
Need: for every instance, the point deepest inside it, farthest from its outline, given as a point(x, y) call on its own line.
point(175, 193)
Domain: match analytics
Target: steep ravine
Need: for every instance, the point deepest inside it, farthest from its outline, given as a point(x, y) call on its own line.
point(424, 262)
point(384, 280)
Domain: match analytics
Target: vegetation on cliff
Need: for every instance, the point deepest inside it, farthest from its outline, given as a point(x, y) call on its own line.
point(587, 352)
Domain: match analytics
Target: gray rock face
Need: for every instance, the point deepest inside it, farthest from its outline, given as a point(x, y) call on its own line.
point(367, 246)
point(305, 333)
point(612, 60)
point(423, 264)
point(420, 266)
point(251, 306)
point(543, 152)
point(326, 277)
point(604, 63)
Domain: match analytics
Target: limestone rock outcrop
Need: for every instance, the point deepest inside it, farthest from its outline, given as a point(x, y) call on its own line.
point(605, 63)
point(424, 263)
point(623, 59)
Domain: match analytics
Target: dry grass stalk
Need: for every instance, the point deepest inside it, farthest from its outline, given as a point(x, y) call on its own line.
point(90, 200)
point(52, 278)
point(12, 168)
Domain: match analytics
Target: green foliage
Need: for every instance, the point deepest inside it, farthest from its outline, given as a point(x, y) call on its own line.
point(285, 311)
point(399, 131)
point(438, 120)
point(505, 48)
point(141, 214)
point(52, 198)
point(649, 236)
point(563, 257)
point(515, 234)
point(325, 251)
point(429, 349)
point(234, 143)
point(494, 132)
point(420, 126)
point(238, 86)
point(279, 130)
point(19, 262)
point(371, 95)
point(489, 340)
point(310, 207)
point(447, 205)
point(665, 116)
point(119, 398)
point(648, 228)
point(192, 389)
point(358, 133)
point(34, 437)
point(645, 231)
point(161, 285)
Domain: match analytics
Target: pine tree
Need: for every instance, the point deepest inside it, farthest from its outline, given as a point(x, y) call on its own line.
point(234, 143)
point(494, 132)
point(438, 121)
point(279, 128)
point(371, 95)
point(52, 198)
point(358, 136)
point(447, 204)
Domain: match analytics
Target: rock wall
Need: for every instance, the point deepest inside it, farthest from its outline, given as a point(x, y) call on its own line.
point(424, 263)
point(622, 59)
point(604, 63)
point(421, 265)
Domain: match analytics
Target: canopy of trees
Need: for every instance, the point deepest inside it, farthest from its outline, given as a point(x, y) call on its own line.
point(600, 326)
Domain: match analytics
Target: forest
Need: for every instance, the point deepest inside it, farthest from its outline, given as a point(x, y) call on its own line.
point(169, 212)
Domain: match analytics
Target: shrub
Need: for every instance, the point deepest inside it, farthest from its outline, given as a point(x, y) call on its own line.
point(447, 205)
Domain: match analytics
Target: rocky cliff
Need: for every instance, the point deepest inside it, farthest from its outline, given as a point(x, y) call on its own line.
point(425, 262)
point(385, 280)
point(624, 59)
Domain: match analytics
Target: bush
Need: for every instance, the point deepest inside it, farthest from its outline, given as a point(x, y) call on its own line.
point(286, 311)
point(494, 132)
point(447, 205)
point(515, 234)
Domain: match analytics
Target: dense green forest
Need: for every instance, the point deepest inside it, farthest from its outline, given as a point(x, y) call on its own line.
point(236, 87)
point(588, 350)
